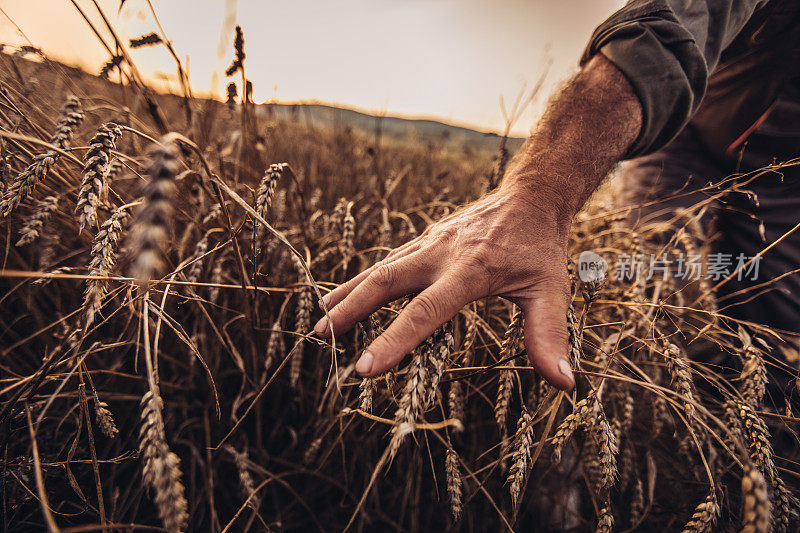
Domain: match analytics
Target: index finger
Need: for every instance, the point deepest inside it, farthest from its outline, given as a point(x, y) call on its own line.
point(339, 293)
point(417, 321)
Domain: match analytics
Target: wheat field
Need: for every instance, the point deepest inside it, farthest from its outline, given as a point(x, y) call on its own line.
point(163, 261)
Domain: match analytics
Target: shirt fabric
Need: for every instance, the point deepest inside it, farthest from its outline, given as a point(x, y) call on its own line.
point(724, 65)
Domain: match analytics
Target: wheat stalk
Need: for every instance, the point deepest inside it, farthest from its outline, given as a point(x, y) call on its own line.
point(583, 409)
point(348, 234)
point(592, 287)
point(704, 516)
point(115, 168)
point(212, 216)
point(455, 483)
point(521, 456)
point(368, 386)
point(337, 217)
point(103, 259)
point(70, 118)
point(608, 451)
point(575, 337)
point(111, 65)
point(754, 372)
point(105, 420)
point(239, 55)
point(660, 415)
point(689, 239)
point(755, 502)
point(246, 483)
point(626, 463)
point(455, 401)
point(151, 230)
point(148, 39)
point(23, 185)
point(41, 214)
point(305, 304)
point(95, 169)
point(266, 191)
point(438, 347)
point(469, 337)
point(624, 418)
point(605, 519)
point(637, 502)
point(505, 388)
point(385, 237)
point(757, 438)
point(411, 402)
point(161, 468)
point(279, 205)
point(196, 268)
point(216, 279)
point(681, 374)
point(785, 506)
point(275, 345)
point(313, 449)
point(367, 389)
point(391, 381)
point(599, 451)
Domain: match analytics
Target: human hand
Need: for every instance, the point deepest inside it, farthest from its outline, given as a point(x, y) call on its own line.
point(510, 243)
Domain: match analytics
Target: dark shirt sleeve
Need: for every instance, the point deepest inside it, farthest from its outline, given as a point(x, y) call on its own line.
point(667, 49)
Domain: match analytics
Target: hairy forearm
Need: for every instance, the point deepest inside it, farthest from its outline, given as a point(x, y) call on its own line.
point(585, 131)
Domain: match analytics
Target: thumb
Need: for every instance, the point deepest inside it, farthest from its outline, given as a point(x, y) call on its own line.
point(546, 336)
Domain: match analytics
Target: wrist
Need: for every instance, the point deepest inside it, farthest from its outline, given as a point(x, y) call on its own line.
point(535, 198)
point(550, 174)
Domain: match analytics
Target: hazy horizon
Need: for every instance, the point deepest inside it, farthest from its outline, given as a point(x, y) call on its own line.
point(444, 60)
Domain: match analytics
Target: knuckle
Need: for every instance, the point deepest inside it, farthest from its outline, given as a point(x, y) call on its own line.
point(443, 235)
point(477, 262)
point(424, 308)
point(387, 341)
point(390, 347)
point(384, 276)
point(478, 271)
point(346, 287)
point(343, 313)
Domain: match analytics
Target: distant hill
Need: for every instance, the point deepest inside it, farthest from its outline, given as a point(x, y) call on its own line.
point(319, 115)
point(394, 129)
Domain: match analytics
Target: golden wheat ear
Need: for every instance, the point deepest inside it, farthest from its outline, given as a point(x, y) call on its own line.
point(160, 467)
point(36, 172)
point(103, 260)
point(95, 173)
point(151, 230)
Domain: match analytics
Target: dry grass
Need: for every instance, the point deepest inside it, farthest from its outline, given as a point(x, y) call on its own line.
point(199, 311)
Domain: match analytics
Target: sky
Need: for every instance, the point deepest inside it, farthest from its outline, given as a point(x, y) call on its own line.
point(447, 59)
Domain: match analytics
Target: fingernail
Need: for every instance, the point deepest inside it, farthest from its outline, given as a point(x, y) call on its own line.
point(321, 326)
point(326, 300)
point(364, 364)
point(564, 368)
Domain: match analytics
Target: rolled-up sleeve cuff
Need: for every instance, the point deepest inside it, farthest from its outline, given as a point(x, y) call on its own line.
point(661, 61)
